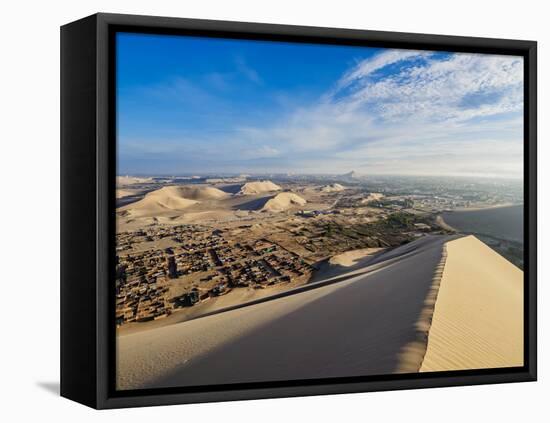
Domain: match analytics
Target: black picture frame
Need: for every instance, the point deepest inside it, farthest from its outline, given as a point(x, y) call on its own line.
point(87, 202)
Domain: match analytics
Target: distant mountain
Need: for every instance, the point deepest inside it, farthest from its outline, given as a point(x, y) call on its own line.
point(351, 175)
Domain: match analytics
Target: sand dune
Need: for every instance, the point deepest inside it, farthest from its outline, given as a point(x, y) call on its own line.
point(350, 258)
point(478, 318)
point(203, 216)
point(259, 187)
point(428, 305)
point(358, 325)
point(171, 198)
point(333, 188)
point(122, 193)
point(345, 263)
point(131, 180)
point(283, 201)
point(201, 193)
point(158, 202)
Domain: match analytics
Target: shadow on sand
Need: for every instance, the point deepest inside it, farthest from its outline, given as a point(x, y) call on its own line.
point(361, 328)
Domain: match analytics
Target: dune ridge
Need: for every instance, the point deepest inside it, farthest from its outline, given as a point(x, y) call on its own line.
point(131, 180)
point(478, 317)
point(283, 201)
point(412, 355)
point(271, 340)
point(200, 193)
point(437, 303)
point(171, 198)
point(157, 202)
point(259, 187)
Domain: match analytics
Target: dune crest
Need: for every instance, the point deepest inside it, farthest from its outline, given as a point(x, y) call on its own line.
point(157, 202)
point(283, 201)
point(200, 193)
point(259, 187)
point(378, 305)
point(478, 317)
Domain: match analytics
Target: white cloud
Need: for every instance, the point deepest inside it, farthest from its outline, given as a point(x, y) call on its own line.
point(461, 87)
point(398, 112)
point(453, 114)
point(366, 67)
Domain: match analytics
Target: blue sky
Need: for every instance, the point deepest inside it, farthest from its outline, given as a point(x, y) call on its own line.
point(205, 105)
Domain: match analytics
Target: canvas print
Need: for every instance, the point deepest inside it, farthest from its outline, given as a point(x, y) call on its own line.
point(294, 211)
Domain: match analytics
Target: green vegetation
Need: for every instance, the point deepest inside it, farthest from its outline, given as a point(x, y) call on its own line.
point(400, 219)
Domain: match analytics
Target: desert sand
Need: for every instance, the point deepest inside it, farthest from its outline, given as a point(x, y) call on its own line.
point(193, 192)
point(345, 264)
point(170, 199)
point(478, 317)
point(131, 180)
point(259, 187)
point(157, 202)
point(333, 188)
point(438, 303)
point(439, 220)
point(283, 201)
point(122, 193)
point(349, 325)
point(351, 258)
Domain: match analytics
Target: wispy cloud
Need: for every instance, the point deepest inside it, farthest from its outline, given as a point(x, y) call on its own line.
point(248, 71)
point(459, 87)
point(428, 114)
point(397, 112)
point(366, 68)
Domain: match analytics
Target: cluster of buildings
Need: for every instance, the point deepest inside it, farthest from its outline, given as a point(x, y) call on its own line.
point(270, 265)
point(202, 260)
point(258, 264)
point(141, 289)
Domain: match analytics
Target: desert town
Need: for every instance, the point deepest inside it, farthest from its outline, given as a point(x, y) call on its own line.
point(179, 245)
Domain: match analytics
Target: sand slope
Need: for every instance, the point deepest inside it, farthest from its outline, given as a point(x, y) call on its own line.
point(259, 187)
point(130, 180)
point(157, 202)
point(350, 258)
point(351, 326)
point(478, 318)
point(122, 193)
point(283, 201)
point(344, 263)
point(425, 306)
point(201, 193)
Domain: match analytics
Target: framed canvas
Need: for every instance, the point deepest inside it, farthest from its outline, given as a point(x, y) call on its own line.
point(255, 211)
